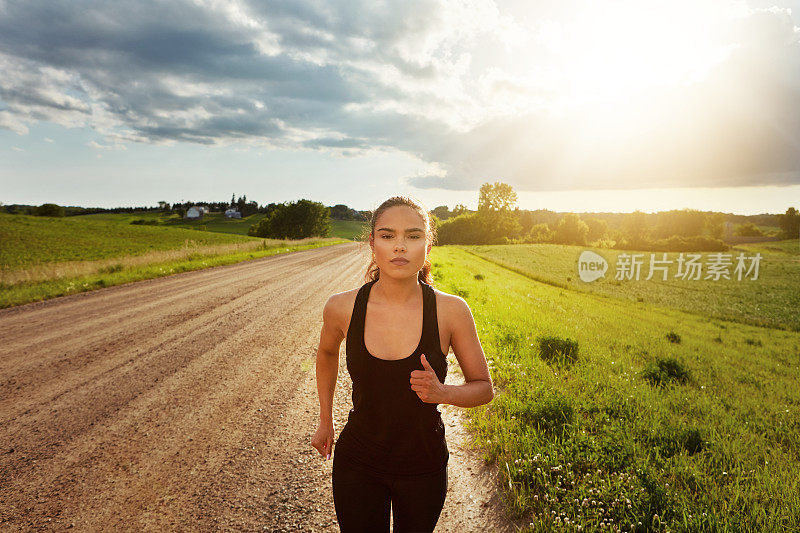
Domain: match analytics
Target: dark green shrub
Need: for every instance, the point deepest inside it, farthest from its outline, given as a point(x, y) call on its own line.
point(673, 337)
point(555, 350)
point(463, 293)
point(673, 440)
point(49, 210)
point(552, 413)
point(478, 276)
point(112, 268)
point(664, 370)
point(753, 342)
point(295, 220)
point(510, 341)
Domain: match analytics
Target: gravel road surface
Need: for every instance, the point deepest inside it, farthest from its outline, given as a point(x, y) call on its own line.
point(188, 403)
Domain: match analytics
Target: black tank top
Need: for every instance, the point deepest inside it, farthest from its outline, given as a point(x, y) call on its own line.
point(390, 430)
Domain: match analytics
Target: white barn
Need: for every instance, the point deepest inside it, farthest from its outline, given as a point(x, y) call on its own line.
point(232, 213)
point(196, 211)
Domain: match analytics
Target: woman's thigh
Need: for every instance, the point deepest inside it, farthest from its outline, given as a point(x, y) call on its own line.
point(417, 501)
point(361, 499)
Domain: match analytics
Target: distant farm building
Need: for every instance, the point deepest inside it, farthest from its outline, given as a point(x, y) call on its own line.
point(196, 212)
point(232, 213)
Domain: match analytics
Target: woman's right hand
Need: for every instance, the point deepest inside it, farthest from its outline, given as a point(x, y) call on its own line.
point(323, 439)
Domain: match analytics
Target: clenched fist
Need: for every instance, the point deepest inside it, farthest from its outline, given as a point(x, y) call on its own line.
point(426, 383)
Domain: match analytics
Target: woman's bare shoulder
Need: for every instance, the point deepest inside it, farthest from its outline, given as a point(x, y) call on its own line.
point(340, 305)
point(450, 304)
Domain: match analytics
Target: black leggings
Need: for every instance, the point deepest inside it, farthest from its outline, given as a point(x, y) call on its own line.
point(362, 499)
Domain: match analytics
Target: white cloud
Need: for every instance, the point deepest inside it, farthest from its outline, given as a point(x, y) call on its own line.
point(97, 146)
point(468, 86)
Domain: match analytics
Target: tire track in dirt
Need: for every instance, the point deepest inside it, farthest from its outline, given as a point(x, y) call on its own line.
point(185, 403)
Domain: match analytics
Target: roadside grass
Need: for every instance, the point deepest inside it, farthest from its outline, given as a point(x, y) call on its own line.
point(772, 300)
point(638, 433)
point(59, 279)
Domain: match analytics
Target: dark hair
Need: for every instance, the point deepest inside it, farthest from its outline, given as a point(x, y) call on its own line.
point(424, 275)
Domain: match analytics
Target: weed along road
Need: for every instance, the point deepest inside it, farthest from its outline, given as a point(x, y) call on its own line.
point(186, 402)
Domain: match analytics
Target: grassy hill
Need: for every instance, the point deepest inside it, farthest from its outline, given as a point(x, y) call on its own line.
point(616, 413)
point(29, 240)
point(347, 229)
point(44, 257)
point(771, 300)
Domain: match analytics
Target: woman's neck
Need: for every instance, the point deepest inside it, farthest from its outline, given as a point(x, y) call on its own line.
point(399, 291)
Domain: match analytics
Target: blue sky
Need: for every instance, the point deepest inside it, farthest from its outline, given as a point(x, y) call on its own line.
point(638, 105)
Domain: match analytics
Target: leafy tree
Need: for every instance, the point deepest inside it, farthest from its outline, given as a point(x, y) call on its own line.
point(499, 226)
point(495, 212)
point(496, 197)
point(442, 212)
point(571, 230)
point(634, 228)
point(49, 210)
point(296, 220)
point(459, 209)
point(598, 228)
point(526, 220)
point(339, 212)
point(748, 229)
point(790, 223)
point(539, 233)
point(463, 229)
point(342, 212)
point(715, 224)
point(683, 223)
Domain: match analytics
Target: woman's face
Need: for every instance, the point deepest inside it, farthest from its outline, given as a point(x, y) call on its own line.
point(399, 234)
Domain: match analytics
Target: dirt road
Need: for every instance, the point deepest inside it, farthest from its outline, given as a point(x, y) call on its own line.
point(188, 403)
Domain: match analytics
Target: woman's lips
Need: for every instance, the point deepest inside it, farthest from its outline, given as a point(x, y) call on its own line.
point(399, 262)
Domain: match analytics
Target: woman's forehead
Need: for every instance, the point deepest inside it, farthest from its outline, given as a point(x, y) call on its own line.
point(400, 217)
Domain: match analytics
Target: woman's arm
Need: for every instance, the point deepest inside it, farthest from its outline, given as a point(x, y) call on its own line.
point(330, 340)
point(478, 388)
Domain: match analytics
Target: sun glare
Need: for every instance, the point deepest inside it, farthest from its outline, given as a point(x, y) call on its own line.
point(615, 50)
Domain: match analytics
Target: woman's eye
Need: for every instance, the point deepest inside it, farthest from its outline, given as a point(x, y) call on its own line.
point(386, 236)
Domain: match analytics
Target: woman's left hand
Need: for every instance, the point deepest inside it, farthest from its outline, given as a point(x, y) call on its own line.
point(426, 384)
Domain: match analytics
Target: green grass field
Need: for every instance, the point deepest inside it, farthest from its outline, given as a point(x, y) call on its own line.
point(213, 222)
point(611, 413)
point(29, 240)
point(771, 300)
point(44, 257)
point(347, 229)
point(216, 222)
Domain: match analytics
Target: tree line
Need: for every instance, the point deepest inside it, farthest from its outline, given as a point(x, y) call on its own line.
point(499, 221)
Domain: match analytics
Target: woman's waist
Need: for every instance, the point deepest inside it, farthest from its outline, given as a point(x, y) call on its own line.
point(394, 434)
point(392, 453)
point(424, 416)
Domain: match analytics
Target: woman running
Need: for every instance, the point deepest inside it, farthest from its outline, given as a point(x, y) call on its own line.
point(392, 450)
